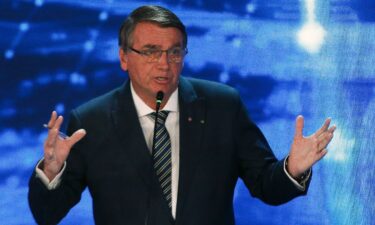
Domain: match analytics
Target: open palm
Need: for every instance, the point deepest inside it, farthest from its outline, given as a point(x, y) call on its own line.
point(57, 148)
point(306, 151)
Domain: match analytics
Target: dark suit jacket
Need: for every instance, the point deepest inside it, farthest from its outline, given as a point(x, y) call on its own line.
point(217, 146)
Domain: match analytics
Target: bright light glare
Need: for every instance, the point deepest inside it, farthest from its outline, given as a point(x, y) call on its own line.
point(311, 37)
point(340, 148)
point(9, 54)
point(38, 3)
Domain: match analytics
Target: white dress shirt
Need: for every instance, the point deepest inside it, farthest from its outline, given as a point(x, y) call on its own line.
point(173, 128)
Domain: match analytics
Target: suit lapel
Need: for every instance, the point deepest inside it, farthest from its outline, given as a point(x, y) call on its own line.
point(192, 123)
point(130, 134)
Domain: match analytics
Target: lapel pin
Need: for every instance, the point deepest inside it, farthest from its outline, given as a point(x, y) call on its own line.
point(190, 119)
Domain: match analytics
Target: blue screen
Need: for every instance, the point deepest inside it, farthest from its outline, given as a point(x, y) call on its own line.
point(285, 57)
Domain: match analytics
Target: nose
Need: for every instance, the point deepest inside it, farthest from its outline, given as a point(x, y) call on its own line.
point(163, 62)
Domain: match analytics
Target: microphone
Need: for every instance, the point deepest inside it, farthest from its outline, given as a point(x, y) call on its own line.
point(159, 99)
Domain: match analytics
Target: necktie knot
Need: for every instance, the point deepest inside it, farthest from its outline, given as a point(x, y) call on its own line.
point(162, 116)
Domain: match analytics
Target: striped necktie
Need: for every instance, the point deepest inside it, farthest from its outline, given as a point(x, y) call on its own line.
point(162, 155)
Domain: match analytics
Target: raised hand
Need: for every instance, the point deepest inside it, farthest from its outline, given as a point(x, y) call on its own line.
point(306, 151)
point(57, 148)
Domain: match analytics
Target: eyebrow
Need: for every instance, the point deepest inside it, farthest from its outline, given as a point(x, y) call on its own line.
point(151, 46)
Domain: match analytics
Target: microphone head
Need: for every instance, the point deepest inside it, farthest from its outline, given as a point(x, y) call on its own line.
point(159, 97)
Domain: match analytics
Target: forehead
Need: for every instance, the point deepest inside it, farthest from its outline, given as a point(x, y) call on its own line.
point(150, 34)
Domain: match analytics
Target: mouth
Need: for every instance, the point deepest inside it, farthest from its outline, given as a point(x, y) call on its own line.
point(161, 79)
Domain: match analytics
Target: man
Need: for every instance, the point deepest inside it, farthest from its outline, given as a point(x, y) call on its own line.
point(187, 172)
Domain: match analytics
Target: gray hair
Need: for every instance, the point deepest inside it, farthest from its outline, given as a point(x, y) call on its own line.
point(149, 13)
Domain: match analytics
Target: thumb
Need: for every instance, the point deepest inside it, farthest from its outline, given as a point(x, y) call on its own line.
point(76, 136)
point(299, 126)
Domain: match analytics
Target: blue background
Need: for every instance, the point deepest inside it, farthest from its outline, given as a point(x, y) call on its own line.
point(286, 57)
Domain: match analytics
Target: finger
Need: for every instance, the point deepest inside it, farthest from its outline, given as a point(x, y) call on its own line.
point(56, 127)
point(299, 127)
point(52, 120)
point(53, 133)
point(332, 129)
point(321, 154)
point(58, 123)
point(329, 132)
point(51, 138)
point(49, 144)
point(324, 127)
point(76, 136)
point(324, 140)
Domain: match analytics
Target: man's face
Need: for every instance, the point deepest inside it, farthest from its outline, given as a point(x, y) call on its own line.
point(149, 78)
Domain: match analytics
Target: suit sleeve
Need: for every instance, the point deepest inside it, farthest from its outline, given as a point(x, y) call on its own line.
point(50, 206)
point(260, 170)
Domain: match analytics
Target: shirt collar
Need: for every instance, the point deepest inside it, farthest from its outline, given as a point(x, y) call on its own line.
point(143, 109)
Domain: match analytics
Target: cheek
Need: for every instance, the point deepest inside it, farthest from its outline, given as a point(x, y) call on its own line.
point(176, 70)
point(140, 73)
point(141, 78)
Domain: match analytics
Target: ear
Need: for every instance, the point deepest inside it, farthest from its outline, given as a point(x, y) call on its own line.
point(123, 59)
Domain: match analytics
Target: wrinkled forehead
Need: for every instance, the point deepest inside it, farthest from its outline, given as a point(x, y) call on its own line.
point(146, 34)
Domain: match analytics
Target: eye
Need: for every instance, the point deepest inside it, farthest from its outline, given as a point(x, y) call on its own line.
point(175, 51)
point(149, 52)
